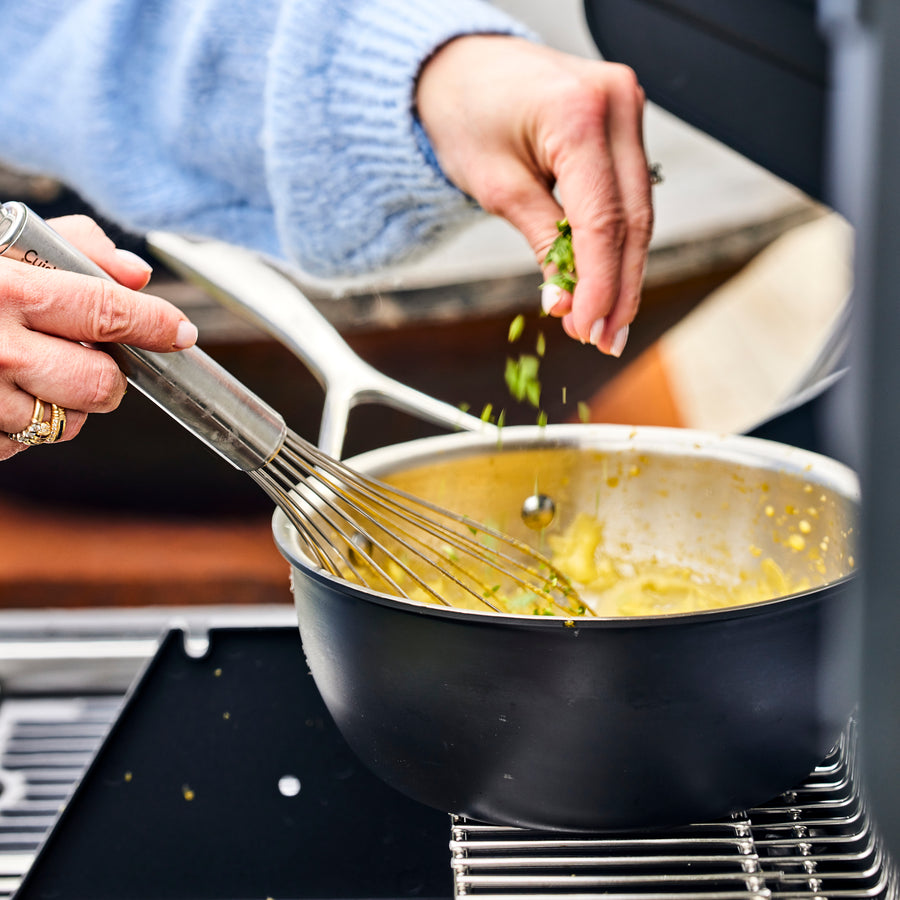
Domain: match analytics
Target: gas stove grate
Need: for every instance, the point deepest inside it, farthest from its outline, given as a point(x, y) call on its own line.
point(815, 842)
point(45, 746)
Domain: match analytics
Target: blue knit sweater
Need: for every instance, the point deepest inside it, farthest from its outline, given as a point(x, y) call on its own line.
point(283, 125)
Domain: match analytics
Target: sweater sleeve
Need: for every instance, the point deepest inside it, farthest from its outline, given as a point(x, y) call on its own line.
point(282, 125)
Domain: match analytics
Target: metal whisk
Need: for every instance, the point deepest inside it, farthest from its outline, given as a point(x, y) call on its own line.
point(353, 526)
point(367, 531)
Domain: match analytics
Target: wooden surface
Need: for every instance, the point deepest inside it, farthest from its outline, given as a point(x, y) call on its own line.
point(52, 557)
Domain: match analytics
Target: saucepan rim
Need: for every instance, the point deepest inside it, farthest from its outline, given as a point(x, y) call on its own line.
point(738, 449)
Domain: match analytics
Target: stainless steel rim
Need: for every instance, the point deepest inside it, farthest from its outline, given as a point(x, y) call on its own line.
point(753, 452)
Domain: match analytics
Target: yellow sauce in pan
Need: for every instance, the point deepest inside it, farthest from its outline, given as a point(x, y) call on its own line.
point(697, 535)
point(612, 586)
point(609, 585)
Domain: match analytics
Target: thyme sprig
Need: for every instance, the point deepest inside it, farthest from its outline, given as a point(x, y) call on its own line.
point(562, 256)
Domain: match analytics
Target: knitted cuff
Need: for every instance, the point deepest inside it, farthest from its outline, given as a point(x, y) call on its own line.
point(341, 139)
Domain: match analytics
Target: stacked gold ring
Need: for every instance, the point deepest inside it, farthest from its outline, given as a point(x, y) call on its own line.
point(41, 430)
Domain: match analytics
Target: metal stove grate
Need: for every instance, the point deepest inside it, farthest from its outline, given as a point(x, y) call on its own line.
point(815, 842)
point(45, 746)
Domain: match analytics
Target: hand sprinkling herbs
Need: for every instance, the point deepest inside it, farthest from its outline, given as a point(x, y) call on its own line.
point(577, 154)
point(561, 256)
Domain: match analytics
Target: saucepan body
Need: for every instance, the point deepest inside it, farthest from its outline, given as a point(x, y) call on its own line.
point(611, 721)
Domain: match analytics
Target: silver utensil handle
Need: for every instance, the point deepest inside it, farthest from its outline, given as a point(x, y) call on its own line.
point(243, 282)
point(190, 386)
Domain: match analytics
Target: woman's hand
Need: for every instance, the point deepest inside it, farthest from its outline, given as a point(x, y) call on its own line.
point(510, 121)
point(46, 316)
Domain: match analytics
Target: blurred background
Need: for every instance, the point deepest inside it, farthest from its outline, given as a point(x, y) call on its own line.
point(746, 282)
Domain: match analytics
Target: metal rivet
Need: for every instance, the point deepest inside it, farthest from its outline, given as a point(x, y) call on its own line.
point(538, 511)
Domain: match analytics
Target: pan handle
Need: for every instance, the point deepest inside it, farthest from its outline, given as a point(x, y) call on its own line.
point(244, 283)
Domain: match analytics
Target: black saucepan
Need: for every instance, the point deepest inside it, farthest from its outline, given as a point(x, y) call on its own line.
point(603, 723)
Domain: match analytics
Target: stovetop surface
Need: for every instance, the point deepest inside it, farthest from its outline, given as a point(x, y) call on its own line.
point(224, 777)
point(221, 775)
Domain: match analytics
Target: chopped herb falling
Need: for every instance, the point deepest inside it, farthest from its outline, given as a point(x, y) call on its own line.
point(522, 374)
point(516, 327)
point(522, 378)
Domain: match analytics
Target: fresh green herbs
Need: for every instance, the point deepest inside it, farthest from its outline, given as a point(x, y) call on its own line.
point(562, 256)
point(522, 378)
point(522, 373)
point(516, 327)
point(487, 415)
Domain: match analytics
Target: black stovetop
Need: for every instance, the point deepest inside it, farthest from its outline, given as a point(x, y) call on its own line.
point(224, 777)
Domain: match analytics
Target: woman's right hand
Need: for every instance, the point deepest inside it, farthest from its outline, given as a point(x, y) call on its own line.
point(48, 315)
point(536, 135)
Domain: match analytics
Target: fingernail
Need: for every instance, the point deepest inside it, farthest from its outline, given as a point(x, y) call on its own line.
point(619, 341)
point(551, 294)
point(186, 336)
point(133, 260)
point(597, 331)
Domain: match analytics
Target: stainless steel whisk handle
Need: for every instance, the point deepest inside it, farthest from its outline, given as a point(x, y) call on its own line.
point(189, 385)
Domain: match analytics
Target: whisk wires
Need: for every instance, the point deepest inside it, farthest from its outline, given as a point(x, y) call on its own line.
point(367, 531)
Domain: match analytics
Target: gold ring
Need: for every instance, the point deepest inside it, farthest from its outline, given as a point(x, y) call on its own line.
point(40, 430)
point(656, 173)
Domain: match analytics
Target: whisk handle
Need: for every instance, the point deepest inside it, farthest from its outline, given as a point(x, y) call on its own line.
point(188, 384)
